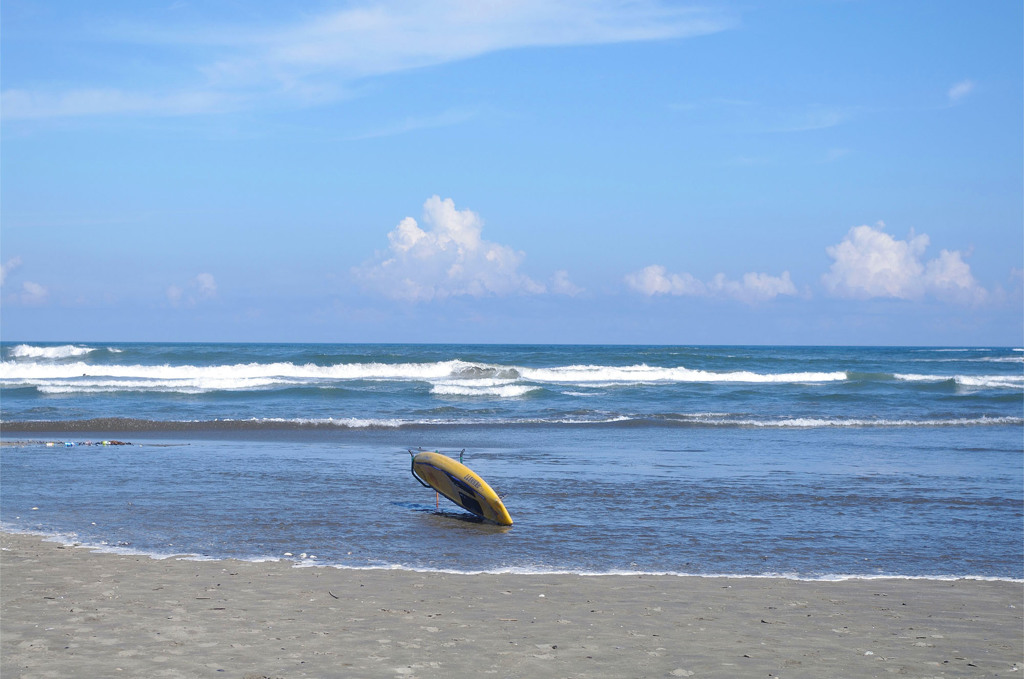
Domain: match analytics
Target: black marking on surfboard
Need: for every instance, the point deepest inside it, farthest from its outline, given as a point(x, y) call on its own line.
point(471, 504)
point(467, 494)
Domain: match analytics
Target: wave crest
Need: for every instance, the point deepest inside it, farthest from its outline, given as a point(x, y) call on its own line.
point(448, 377)
point(642, 374)
point(980, 381)
point(51, 353)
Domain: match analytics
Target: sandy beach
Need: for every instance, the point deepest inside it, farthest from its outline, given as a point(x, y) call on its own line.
point(68, 611)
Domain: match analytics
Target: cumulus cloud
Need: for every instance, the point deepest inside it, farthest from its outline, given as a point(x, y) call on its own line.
point(960, 90)
point(202, 287)
point(448, 258)
point(751, 288)
point(655, 280)
point(871, 263)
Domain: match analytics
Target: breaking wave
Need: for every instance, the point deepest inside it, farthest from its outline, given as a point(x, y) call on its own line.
point(453, 377)
point(51, 353)
point(500, 390)
point(644, 374)
point(980, 381)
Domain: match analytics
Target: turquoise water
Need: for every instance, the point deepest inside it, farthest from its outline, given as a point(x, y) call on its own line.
point(800, 461)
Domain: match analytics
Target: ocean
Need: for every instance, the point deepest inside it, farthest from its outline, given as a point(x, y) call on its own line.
point(800, 462)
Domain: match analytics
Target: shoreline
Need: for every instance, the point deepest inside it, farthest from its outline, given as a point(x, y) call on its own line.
point(298, 562)
point(67, 611)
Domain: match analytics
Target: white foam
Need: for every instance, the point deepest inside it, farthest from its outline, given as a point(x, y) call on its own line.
point(815, 423)
point(86, 377)
point(63, 351)
point(350, 422)
point(241, 371)
point(71, 540)
point(194, 386)
point(982, 381)
point(448, 378)
point(500, 390)
point(991, 381)
point(643, 374)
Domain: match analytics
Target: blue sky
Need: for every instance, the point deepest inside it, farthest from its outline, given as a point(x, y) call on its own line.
point(632, 171)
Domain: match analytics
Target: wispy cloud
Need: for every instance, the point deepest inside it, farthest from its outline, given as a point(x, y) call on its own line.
point(202, 287)
point(33, 293)
point(313, 59)
point(562, 285)
point(28, 293)
point(8, 267)
point(27, 104)
point(413, 123)
point(755, 117)
point(813, 118)
point(835, 154)
point(375, 38)
point(959, 91)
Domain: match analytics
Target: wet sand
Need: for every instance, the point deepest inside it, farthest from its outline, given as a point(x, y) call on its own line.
point(69, 612)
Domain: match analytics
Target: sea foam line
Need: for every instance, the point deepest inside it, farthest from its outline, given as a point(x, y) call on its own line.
point(500, 390)
point(597, 419)
point(816, 423)
point(103, 547)
point(463, 371)
point(577, 374)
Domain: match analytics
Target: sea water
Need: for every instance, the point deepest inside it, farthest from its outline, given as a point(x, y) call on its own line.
point(812, 462)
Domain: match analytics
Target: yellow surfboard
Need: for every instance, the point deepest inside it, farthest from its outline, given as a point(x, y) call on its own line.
point(461, 485)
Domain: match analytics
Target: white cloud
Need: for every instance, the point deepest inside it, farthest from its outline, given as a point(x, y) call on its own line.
point(561, 285)
point(758, 117)
point(312, 59)
point(960, 90)
point(21, 104)
point(411, 124)
point(949, 277)
point(33, 293)
point(375, 38)
point(751, 288)
point(816, 118)
point(29, 293)
point(207, 286)
point(447, 259)
point(655, 280)
point(174, 294)
point(200, 288)
point(6, 268)
point(871, 263)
